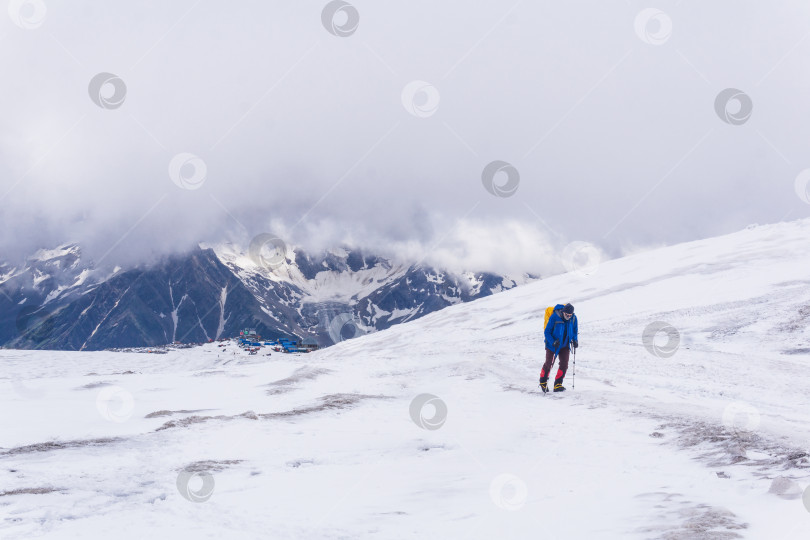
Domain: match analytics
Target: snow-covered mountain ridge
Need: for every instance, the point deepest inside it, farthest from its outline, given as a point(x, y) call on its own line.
point(57, 300)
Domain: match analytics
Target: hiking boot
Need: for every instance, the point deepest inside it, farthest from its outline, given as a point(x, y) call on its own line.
point(558, 387)
point(544, 384)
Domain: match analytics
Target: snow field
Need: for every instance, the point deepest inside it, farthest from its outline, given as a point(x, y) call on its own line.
point(706, 442)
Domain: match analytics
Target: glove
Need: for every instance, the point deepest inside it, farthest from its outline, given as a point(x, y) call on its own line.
point(575, 343)
point(556, 343)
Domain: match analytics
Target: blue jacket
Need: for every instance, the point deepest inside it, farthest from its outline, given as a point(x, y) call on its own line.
point(558, 329)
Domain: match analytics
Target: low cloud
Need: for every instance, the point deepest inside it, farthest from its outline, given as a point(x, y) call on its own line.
point(382, 138)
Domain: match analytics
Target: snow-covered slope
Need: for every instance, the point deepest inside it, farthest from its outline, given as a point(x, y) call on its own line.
point(319, 280)
point(31, 290)
point(345, 284)
point(703, 435)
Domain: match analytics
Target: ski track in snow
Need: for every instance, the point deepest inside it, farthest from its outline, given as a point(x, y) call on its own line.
point(709, 443)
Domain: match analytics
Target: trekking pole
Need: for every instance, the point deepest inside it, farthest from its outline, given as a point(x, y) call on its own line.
point(574, 379)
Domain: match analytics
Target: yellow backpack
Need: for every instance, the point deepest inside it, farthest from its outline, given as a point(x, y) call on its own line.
point(549, 311)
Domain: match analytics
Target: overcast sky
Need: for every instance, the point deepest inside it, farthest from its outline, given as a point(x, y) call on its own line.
point(319, 129)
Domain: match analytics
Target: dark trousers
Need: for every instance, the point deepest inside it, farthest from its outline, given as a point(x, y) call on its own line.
point(563, 365)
